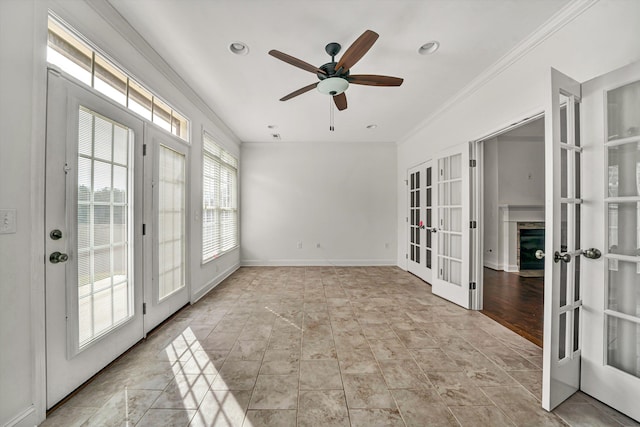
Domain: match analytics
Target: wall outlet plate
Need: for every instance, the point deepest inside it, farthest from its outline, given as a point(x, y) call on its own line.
point(8, 221)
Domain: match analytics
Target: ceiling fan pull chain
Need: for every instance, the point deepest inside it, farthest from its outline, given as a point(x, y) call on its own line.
point(331, 112)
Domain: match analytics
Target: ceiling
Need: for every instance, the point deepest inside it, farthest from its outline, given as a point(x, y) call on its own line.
point(193, 37)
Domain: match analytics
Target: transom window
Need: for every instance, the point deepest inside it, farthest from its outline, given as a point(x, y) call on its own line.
point(78, 59)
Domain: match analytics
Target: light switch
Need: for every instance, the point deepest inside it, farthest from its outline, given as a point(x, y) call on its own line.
point(7, 221)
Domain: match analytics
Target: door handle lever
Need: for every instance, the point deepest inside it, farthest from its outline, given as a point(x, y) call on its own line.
point(565, 257)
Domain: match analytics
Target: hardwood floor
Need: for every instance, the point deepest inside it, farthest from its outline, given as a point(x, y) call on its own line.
point(515, 302)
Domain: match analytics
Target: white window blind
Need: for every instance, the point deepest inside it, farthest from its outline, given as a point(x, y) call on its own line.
point(219, 200)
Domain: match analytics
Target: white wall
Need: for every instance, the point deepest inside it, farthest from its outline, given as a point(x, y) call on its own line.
point(490, 204)
point(23, 36)
point(342, 196)
point(520, 171)
point(604, 37)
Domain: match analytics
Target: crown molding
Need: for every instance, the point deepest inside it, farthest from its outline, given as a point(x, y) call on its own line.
point(567, 14)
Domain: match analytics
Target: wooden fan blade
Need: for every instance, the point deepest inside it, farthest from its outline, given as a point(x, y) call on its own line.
point(341, 101)
point(299, 91)
point(295, 62)
point(357, 50)
point(374, 80)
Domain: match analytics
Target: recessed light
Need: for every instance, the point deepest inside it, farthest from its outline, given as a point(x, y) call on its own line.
point(272, 126)
point(429, 47)
point(239, 48)
point(372, 126)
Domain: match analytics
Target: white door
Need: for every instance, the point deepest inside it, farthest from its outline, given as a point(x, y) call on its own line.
point(451, 216)
point(562, 299)
point(166, 289)
point(93, 244)
point(420, 221)
point(611, 290)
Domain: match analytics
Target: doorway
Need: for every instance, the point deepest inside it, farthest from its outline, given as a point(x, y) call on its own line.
point(513, 228)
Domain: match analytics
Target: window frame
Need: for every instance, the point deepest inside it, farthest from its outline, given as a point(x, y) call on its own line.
point(223, 161)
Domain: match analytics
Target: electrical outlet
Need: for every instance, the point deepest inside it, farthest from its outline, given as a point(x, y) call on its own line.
point(7, 221)
point(299, 245)
point(317, 245)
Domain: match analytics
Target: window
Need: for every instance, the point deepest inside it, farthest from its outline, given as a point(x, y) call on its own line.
point(219, 200)
point(81, 61)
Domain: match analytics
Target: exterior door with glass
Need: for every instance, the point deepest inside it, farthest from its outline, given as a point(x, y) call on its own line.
point(166, 289)
point(420, 221)
point(93, 220)
point(451, 218)
point(611, 335)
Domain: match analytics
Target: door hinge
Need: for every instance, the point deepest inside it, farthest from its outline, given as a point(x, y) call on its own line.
point(473, 224)
point(472, 163)
point(144, 149)
point(406, 219)
point(144, 308)
point(144, 229)
point(406, 182)
point(472, 286)
point(406, 256)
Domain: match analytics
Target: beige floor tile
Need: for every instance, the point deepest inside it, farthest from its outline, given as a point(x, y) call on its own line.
point(124, 407)
point(481, 416)
point(247, 350)
point(403, 374)
point(320, 375)
point(507, 358)
point(457, 389)
point(222, 408)
point(69, 416)
point(434, 359)
point(318, 348)
point(375, 418)
point(327, 408)
point(423, 407)
point(367, 391)
point(184, 392)
point(237, 375)
point(389, 349)
point(280, 362)
point(166, 418)
point(521, 407)
point(275, 392)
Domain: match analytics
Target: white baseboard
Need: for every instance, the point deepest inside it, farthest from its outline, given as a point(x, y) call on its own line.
point(26, 418)
point(214, 282)
point(511, 269)
point(317, 262)
point(493, 265)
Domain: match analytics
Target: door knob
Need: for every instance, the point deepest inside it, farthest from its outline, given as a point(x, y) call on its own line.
point(592, 253)
point(539, 254)
point(57, 257)
point(55, 234)
point(434, 230)
point(557, 257)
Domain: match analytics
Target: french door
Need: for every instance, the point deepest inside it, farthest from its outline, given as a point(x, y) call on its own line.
point(611, 338)
point(166, 164)
point(421, 226)
point(592, 262)
point(451, 185)
point(93, 221)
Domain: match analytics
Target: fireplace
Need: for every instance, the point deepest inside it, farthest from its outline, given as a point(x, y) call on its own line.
point(531, 238)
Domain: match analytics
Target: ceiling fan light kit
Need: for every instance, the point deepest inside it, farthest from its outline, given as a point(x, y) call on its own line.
point(335, 77)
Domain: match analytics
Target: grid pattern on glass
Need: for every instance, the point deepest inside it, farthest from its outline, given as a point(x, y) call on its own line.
point(570, 202)
point(171, 221)
point(449, 254)
point(622, 202)
point(428, 214)
point(83, 62)
point(414, 214)
point(103, 228)
point(219, 200)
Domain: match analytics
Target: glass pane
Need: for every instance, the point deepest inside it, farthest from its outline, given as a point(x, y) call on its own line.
point(455, 272)
point(140, 100)
point(443, 218)
point(624, 228)
point(413, 258)
point(564, 167)
point(428, 197)
point(578, 136)
point(576, 329)
point(85, 132)
point(456, 246)
point(104, 286)
point(443, 244)
point(68, 53)
point(428, 219)
point(624, 287)
point(443, 194)
point(110, 81)
point(413, 181)
point(428, 177)
point(456, 166)
point(456, 193)
point(428, 233)
point(456, 219)
point(417, 254)
point(417, 198)
point(562, 340)
point(623, 351)
point(428, 258)
point(563, 283)
point(443, 269)
point(624, 170)
point(576, 275)
point(623, 111)
point(161, 114)
point(171, 221)
point(578, 190)
point(417, 179)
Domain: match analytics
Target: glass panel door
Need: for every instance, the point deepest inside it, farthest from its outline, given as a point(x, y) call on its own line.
point(420, 221)
point(93, 217)
point(451, 218)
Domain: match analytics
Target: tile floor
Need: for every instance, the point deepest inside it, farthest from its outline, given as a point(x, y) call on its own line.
point(324, 346)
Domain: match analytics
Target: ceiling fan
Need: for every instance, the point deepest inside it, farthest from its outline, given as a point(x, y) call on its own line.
point(335, 76)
